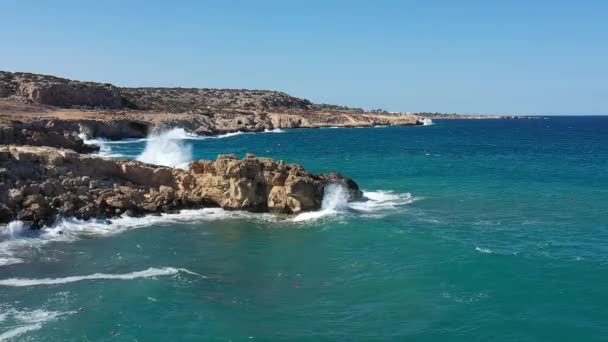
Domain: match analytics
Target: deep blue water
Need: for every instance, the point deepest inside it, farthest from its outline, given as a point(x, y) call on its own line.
point(477, 230)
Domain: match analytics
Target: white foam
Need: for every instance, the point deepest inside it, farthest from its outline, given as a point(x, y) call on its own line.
point(227, 135)
point(162, 148)
point(427, 122)
point(37, 316)
point(19, 331)
point(483, 250)
point(335, 199)
point(27, 321)
point(174, 134)
point(167, 149)
point(150, 272)
point(5, 261)
point(335, 202)
point(276, 130)
point(12, 230)
point(18, 243)
point(99, 141)
point(8, 235)
point(105, 146)
point(73, 229)
point(381, 201)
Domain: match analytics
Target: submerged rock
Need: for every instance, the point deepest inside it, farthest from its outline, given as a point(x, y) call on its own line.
point(38, 184)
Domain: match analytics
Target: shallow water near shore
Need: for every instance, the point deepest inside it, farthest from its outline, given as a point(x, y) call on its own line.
point(472, 230)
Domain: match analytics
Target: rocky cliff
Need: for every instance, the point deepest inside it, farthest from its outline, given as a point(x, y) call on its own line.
point(61, 92)
point(55, 91)
point(104, 110)
point(40, 184)
point(188, 99)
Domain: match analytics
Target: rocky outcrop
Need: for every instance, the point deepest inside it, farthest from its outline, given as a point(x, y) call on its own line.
point(43, 133)
point(40, 184)
point(180, 100)
point(262, 184)
point(106, 111)
point(59, 92)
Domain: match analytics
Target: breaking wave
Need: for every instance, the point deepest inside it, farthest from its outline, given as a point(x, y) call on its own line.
point(276, 130)
point(105, 145)
point(335, 199)
point(148, 273)
point(167, 149)
point(335, 202)
point(382, 201)
point(427, 122)
point(19, 244)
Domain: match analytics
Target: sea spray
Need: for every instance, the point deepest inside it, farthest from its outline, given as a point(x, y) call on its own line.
point(167, 149)
point(275, 130)
point(335, 202)
point(12, 230)
point(105, 146)
point(335, 199)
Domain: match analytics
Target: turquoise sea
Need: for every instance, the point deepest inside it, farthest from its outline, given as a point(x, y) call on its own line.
point(474, 230)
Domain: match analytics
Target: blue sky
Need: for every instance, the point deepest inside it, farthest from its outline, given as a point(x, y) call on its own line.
point(520, 57)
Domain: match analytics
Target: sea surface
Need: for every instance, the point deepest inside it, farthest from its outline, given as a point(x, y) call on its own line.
point(473, 230)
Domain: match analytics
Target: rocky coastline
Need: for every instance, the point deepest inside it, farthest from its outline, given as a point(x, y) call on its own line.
point(47, 173)
point(34, 101)
point(40, 184)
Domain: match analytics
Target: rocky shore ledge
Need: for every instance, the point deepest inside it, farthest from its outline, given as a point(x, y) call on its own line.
point(39, 184)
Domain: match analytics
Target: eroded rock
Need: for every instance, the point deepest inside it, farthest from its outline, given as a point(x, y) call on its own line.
point(65, 183)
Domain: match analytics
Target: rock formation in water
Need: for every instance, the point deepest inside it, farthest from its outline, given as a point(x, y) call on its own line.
point(40, 184)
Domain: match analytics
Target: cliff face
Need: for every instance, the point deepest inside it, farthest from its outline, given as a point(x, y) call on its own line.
point(132, 112)
point(65, 93)
point(189, 99)
point(43, 133)
point(57, 91)
point(39, 184)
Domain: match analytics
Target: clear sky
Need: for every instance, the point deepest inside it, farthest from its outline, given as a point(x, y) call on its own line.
point(520, 57)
